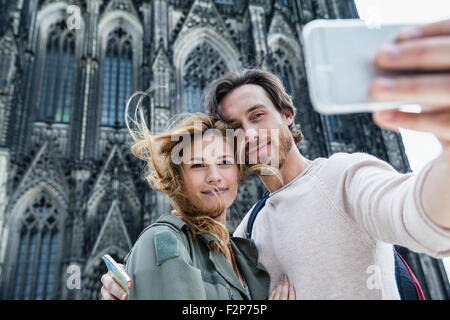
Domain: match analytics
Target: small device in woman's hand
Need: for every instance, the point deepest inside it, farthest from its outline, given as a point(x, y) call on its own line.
point(340, 64)
point(118, 274)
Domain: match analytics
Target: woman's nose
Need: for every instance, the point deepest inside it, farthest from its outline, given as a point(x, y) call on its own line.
point(213, 175)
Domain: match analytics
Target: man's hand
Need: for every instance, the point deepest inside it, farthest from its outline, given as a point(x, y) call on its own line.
point(426, 49)
point(111, 290)
point(423, 48)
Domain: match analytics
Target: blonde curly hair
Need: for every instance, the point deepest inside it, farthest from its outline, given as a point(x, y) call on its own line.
point(166, 176)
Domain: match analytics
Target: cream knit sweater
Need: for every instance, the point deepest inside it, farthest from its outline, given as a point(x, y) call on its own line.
point(331, 229)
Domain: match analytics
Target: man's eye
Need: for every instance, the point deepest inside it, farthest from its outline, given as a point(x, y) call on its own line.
point(257, 115)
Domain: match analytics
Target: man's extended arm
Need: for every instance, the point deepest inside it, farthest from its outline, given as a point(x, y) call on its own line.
point(425, 48)
point(436, 193)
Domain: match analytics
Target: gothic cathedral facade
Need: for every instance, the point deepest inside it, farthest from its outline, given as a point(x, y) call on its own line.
point(70, 190)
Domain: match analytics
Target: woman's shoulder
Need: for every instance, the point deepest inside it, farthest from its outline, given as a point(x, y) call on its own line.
point(166, 226)
point(163, 238)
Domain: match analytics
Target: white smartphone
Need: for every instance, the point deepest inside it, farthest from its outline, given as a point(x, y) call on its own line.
point(118, 274)
point(339, 60)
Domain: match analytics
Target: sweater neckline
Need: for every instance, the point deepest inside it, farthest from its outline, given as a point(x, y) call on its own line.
point(301, 174)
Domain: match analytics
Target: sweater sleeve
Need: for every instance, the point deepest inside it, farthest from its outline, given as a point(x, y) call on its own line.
point(241, 229)
point(159, 268)
point(383, 202)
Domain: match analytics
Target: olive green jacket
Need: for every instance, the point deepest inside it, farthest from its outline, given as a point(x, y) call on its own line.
point(166, 263)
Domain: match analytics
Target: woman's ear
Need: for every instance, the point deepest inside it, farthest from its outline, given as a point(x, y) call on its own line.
point(288, 117)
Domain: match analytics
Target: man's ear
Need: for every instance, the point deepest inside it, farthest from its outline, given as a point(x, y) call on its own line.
point(288, 117)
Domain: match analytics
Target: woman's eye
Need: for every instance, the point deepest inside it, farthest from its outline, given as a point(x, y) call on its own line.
point(197, 165)
point(226, 162)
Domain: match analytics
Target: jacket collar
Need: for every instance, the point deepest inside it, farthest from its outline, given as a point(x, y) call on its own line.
point(173, 220)
point(224, 268)
point(254, 273)
point(246, 253)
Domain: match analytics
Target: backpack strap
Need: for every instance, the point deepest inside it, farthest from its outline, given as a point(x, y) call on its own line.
point(258, 206)
point(408, 286)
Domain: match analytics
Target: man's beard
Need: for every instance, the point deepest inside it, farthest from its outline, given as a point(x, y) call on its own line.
point(284, 145)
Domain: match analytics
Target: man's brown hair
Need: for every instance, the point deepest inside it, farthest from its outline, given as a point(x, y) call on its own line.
point(268, 81)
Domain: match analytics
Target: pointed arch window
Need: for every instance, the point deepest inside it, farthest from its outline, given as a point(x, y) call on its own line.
point(203, 65)
point(59, 66)
point(35, 276)
point(117, 75)
point(5, 66)
point(283, 69)
point(116, 190)
point(336, 129)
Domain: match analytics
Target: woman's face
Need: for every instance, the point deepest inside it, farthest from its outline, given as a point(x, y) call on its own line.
point(211, 167)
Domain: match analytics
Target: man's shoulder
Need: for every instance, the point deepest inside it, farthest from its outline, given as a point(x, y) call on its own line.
point(242, 227)
point(341, 160)
point(342, 163)
point(347, 157)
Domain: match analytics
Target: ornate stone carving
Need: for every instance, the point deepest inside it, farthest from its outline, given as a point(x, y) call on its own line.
point(121, 5)
point(204, 14)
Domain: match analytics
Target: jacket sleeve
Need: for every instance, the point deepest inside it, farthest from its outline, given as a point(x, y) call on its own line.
point(383, 202)
point(159, 268)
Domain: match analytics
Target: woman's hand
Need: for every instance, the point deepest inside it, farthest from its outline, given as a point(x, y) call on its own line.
point(283, 290)
point(111, 290)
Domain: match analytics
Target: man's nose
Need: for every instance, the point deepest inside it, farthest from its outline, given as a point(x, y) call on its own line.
point(251, 134)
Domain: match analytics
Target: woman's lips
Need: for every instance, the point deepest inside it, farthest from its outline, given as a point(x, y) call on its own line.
point(211, 193)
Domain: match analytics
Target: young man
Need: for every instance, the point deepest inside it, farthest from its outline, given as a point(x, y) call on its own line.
point(330, 227)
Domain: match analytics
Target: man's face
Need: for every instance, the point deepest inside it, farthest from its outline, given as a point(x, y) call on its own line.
point(249, 108)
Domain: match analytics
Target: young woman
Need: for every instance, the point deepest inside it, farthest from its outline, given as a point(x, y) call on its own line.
point(189, 254)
